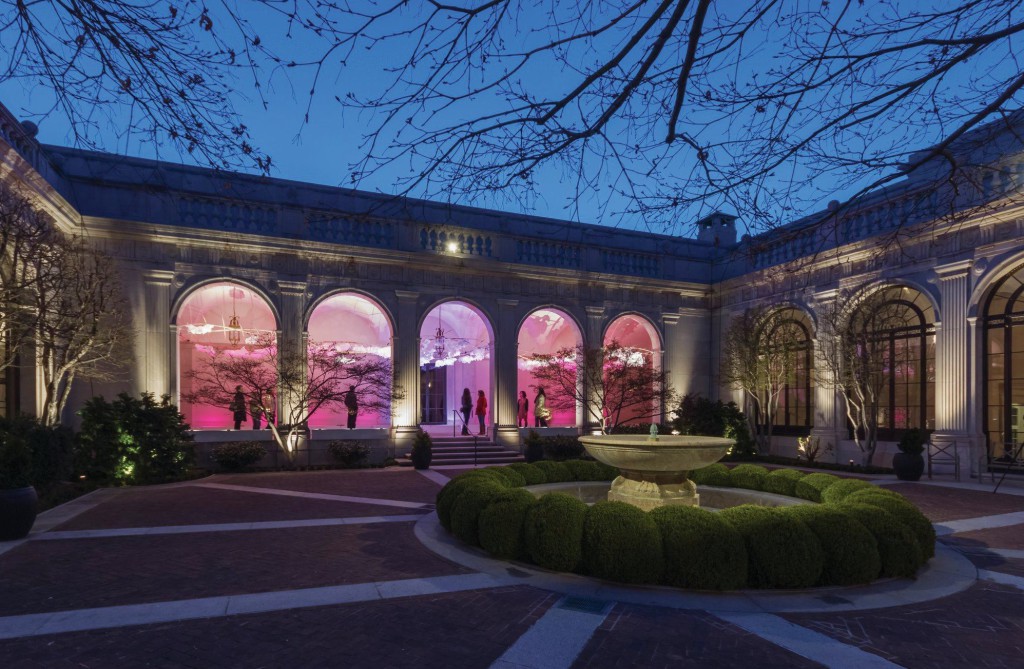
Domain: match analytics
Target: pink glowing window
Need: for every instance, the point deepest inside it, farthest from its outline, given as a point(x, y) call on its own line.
point(642, 343)
point(546, 332)
point(455, 355)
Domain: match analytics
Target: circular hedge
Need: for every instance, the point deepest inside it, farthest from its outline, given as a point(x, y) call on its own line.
point(857, 533)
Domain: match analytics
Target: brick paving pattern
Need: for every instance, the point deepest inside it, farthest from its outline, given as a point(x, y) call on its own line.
point(191, 505)
point(942, 504)
point(1011, 536)
point(459, 630)
point(83, 573)
point(405, 485)
point(980, 627)
point(651, 637)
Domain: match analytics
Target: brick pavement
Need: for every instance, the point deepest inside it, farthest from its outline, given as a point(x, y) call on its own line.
point(399, 484)
point(940, 503)
point(996, 537)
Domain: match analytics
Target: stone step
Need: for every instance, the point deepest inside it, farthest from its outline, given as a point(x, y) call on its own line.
point(504, 460)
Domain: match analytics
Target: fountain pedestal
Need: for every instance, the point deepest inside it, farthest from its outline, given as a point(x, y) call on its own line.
point(650, 490)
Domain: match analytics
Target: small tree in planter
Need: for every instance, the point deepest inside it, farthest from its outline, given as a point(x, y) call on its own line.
point(422, 451)
point(909, 462)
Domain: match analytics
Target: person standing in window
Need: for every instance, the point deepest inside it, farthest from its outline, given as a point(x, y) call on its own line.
point(352, 404)
point(467, 409)
point(522, 410)
point(237, 407)
point(255, 410)
point(481, 410)
point(541, 412)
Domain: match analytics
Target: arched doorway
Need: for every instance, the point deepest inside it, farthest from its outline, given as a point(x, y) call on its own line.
point(548, 332)
point(456, 343)
point(227, 337)
point(1004, 367)
point(639, 346)
point(358, 329)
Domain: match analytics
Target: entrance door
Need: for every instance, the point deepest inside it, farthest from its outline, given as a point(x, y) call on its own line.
point(433, 394)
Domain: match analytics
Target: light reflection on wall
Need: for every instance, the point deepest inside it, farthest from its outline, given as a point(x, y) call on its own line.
point(461, 358)
point(545, 332)
point(353, 323)
point(203, 327)
point(633, 331)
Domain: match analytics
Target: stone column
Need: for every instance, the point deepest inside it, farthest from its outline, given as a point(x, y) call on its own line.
point(672, 359)
point(405, 345)
point(957, 401)
point(829, 418)
point(291, 338)
point(157, 359)
point(506, 368)
point(594, 339)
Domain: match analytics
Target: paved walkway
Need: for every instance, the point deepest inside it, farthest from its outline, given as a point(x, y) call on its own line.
point(347, 569)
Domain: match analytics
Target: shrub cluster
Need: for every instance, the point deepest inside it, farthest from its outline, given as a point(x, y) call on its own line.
point(235, 456)
point(347, 453)
point(34, 454)
point(857, 534)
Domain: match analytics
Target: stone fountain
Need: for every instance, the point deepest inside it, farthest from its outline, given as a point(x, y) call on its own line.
point(653, 470)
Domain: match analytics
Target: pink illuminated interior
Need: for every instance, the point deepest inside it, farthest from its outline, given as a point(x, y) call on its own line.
point(462, 356)
point(203, 327)
point(354, 323)
point(635, 332)
point(545, 332)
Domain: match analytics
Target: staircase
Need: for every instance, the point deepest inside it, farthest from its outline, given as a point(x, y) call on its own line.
point(460, 451)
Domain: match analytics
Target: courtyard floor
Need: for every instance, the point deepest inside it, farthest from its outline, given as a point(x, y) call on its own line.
point(338, 569)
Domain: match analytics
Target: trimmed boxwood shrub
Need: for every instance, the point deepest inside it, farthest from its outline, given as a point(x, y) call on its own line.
point(621, 543)
point(750, 477)
point(811, 486)
point(500, 525)
point(608, 473)
point(489, 473)
point(783, 481)
point(532, 475)
point(514, 478)
point(782, 552)
point(554, 472)
point(851, 551)
point(465, 513)
point(904, 512)
point(583, 470)
point(897, 546)
point(701, 550)
point(554, 532)
point(235, 456)
point(842, 488)
point(716, 474)
point(450, 493)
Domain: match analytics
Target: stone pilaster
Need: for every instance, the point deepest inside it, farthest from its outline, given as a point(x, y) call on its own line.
point(594, 339)
point(157, 359)
point(506, 352)
point(406, 351)
point(829, 418)
point(291, 338)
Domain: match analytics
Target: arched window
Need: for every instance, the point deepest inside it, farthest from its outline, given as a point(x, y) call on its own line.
point(455, 355)
point(547, 332)
point(641, 347)
point(894, 332)
point(1004, 366)
point(789, 330)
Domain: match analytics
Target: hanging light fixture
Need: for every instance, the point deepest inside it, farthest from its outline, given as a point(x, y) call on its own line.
point(439, 340)
point(234, 328)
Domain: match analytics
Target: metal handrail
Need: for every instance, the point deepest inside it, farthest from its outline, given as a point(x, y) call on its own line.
point(455, 425)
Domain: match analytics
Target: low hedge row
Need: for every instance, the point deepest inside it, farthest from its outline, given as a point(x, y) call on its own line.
point(858, 532)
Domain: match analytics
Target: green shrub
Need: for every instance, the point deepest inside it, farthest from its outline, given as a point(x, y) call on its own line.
point(783, 481)
point(562, 447)
point(347, 453)
point(501, 524)
point(136, 441)
point(534, 448)
point(750, 477)
point(450, 493)
point(607, 472)
point(532, 475)
point(782, 552)
point(554, 472)
point(716, 474)
point(422, 450)
point(913, 441)
point(489, 473)
point(514, 478)
point(34, 454)
point(851, 551)
point(897, 546)
point(554, 532)
point(15, 460)
point(621, 543)
point(842, 488)
point(713, 418)
point(904, 512)
point(811, 486)
point(235, 456)
point(701, 550)
point(584, 470)
point(465, 512)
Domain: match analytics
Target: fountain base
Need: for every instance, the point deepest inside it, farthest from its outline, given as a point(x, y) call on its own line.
point(650, 490)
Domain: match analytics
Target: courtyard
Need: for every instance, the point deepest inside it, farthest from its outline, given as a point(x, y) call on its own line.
point(336, 569)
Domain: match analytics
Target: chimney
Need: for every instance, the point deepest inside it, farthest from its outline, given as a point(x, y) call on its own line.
point(718, 229)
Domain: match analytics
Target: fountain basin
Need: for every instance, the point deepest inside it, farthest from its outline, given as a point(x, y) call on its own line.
point(653, 472)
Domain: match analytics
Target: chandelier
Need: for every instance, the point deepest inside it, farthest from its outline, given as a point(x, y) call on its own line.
point(439, 340)
point(234, 328)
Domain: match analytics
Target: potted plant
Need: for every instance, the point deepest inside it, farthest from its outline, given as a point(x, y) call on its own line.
point(422, 451)
point(17, 496)
point(909, 462)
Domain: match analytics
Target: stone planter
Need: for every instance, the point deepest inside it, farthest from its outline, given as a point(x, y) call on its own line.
point(908, 466)
point(17, 512)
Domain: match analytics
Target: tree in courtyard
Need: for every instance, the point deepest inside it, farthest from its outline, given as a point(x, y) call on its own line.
point(306, 382)
point(672, 103)
point(757, 357)
point(615, 384)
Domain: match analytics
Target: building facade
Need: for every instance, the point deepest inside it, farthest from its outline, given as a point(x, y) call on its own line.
point(460, 298)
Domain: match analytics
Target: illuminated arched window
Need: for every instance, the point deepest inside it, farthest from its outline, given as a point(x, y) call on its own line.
point(547, 332)
point(641, 344)
point(455, 355)
point(896, 335)
point(1004, 365)
point(790, 331)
